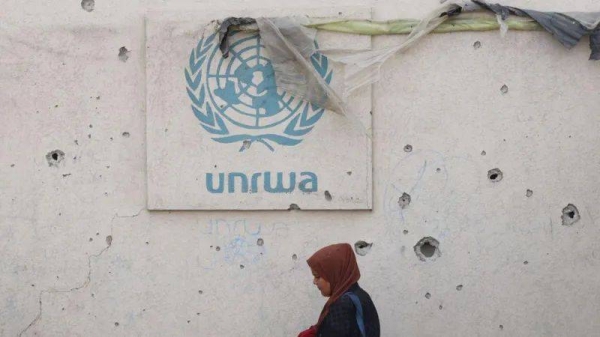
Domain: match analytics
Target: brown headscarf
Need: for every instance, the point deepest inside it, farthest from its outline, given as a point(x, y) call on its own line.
point(337, 265)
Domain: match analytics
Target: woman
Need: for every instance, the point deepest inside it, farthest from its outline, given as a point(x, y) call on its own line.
point(349, 311)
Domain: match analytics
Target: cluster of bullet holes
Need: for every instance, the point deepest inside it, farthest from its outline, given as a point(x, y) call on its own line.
point(362, 248)
point(328, 196)
point(408, 148)
point(495, 175)
point(87, 5)
point(427, 249)
point(55, 157)
point(123, 54)
point(570, 215)
point(404, 200)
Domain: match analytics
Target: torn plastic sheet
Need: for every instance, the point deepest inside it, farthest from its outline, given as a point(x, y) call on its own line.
point(568, 28)
point(296, 75)
point(290, 46)
point(363, 67)
point(225, 29)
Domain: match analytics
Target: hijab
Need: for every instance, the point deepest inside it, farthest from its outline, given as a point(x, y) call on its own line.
point(337, 265)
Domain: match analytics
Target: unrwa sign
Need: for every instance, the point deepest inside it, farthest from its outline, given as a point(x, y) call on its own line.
point(308, 182)
point(221, 135)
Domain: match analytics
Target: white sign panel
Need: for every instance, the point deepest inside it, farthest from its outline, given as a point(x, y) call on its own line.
point(221, 135)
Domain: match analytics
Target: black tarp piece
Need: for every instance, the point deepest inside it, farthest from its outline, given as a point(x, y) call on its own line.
point(566, 29)
point(225, 31)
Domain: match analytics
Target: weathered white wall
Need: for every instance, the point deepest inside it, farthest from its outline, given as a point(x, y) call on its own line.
point(64, 87)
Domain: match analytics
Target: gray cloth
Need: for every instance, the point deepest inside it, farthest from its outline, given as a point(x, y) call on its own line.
point(566, 28)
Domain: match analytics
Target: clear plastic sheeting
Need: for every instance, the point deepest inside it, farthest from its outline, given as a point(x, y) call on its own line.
point(290, 46)
point(363, 67)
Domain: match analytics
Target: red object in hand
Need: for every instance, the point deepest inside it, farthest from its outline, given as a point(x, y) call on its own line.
point(310, 332)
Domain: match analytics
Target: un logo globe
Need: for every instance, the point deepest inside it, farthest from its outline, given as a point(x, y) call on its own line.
point(237, 99)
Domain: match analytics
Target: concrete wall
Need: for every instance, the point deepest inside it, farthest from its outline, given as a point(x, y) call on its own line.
point(82, 257)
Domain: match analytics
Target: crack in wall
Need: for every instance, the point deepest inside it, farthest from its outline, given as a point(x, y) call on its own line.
point(88, 279)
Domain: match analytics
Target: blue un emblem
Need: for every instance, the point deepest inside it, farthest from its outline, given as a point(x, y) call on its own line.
point(237, 100)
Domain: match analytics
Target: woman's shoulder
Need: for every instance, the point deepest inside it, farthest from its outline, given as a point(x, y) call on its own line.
point(344, 303)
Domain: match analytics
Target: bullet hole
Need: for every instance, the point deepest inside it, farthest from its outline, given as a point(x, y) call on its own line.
point(407, 148)
point(91, 126)
point(427, 249)
point(90, 240)
point(63, 309)
point(197, 314)
point(116, 323)
point(404, 200)
point(97, 97)
point(362, 248)
point(504, 89)
point(147, 242)
point(529, 193)
point(218, 248)
point(56, 106)
point(126, 134)
point(12, 165)
point(441, 307)
point(200, 292)
point(525, 262)
point(428, 296)
point(66, 175)
point(349, 173)
point(188, 321)
point(501, 327)
point(477, 45)
point(55, 157)
point(405, 232)
point(33, 285)
point(495, 175)
point(438, 169)
point(123, 54)
point(242, 266)
point(294, 257)
point(483, 153)
point(87, 5)
point(328, 196)
point(89, 136)
point(97, 234)
point(459, 287)
point(246, 144)
point(294, 207)
point(260, 242)
point(109, 240)
point(570, 215)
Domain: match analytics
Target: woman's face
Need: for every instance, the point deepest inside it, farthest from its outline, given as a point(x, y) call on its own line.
point(322, 284)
